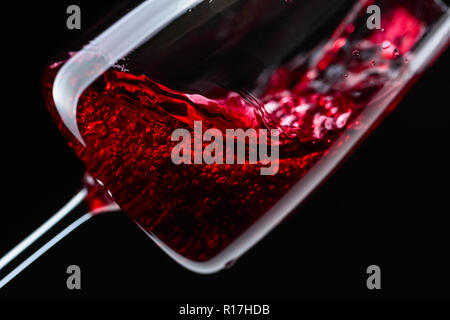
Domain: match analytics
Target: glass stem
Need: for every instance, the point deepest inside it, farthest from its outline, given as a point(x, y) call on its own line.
point(63, 222)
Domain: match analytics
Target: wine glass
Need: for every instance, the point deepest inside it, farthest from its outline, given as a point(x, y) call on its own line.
point(320, 74)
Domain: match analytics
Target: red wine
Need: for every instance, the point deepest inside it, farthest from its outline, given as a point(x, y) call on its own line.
point(315, 101)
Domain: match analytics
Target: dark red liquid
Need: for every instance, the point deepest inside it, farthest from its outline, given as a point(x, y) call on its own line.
point(126, 121)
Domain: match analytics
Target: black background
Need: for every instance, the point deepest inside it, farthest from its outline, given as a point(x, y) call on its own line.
point(387, 205)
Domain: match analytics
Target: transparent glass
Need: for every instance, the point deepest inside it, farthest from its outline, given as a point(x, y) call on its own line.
point(314, 70)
